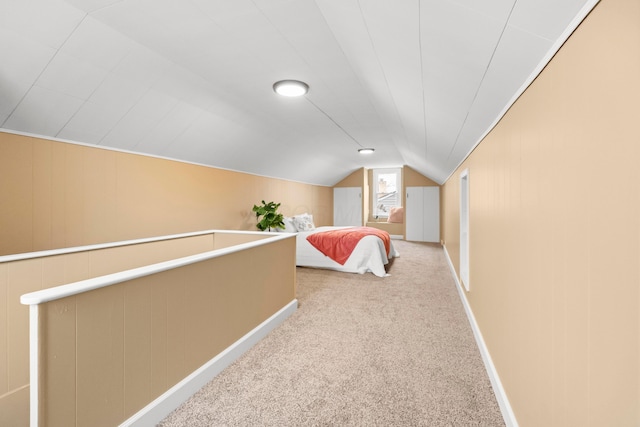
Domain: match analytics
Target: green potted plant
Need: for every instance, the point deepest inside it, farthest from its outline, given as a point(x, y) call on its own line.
point(270, 216)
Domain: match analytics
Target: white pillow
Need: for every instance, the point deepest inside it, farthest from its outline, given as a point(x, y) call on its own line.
point(304, 222)
point(289, 227)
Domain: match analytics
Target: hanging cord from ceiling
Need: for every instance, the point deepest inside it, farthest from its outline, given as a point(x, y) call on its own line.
point(334, 122)
point(484, 75)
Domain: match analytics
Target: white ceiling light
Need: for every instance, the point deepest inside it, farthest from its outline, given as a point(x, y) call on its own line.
point(366, 150)
point(290, 88)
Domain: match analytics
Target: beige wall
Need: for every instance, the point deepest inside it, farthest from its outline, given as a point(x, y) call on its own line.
point(355, 179)
point(55, 194)
point(555, 232)
point(111, 351)
point(411, 178)
point(20, 277)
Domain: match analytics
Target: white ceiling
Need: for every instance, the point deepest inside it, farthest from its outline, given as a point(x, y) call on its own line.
point(421, 81)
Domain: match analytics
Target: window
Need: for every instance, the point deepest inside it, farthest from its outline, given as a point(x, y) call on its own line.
point(387, 191)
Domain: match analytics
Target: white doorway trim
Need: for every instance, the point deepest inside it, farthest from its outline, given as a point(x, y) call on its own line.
point(464, 229)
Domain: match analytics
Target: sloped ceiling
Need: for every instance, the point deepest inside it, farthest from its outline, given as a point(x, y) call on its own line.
point(421, 81)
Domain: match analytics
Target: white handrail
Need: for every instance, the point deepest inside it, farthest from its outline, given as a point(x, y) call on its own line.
point(51, 294)
point(73, 249)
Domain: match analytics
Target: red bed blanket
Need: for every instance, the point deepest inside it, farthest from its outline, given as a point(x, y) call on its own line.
point(338, 244)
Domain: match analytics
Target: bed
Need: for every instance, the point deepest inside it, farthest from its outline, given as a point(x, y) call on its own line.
point(369, 255)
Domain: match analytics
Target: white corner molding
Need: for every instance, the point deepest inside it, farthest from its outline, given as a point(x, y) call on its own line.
point(498, 389)
point(161, 407)
point(555, 47)
point(34, 371)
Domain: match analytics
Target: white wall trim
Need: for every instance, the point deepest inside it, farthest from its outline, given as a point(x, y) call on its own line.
point(160, 408)
point(63, 291)
point(34, 371)
point(553, 49)
point(98, 246)
point(498, 389)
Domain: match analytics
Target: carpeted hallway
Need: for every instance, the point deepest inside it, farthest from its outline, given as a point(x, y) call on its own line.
point(359, 351)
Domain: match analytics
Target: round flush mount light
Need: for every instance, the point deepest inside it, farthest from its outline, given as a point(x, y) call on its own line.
point(290, 88)
point(366, 150)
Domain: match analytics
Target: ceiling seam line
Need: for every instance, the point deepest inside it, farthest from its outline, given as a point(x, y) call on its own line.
point(386, 80)
point(424, 99)
point(484, 75)
point(117, 122)
point(357, 75)
point(343, 53)
point(179, 137)
point(84, 102)
point(169, 59)
point(104, 7)
point(35, 81)
point(334, 122)
point(158, 122)
point(302, 56)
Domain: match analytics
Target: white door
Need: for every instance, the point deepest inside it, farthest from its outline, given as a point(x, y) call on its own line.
point(423, 214)
point(431, 214)
point(347, 206)
point(413, 214)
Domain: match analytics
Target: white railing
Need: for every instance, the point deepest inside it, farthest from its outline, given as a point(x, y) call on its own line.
point(131, 345)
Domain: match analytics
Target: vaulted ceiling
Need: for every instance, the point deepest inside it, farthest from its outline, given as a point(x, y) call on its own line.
point(421, 81)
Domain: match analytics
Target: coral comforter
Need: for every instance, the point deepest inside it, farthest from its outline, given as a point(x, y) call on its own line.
point(370, 254)
point(339, 244)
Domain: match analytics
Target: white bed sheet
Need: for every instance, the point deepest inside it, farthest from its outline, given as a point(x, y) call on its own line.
point(369, 255)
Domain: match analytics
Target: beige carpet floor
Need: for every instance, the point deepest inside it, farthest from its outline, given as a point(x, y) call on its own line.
point(359, 351)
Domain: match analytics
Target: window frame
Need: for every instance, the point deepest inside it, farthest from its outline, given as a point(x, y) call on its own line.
point(397, 171)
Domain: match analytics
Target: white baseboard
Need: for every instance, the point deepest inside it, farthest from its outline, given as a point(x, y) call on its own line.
point(501, 395)
point(397, 236)
point(160, 408)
